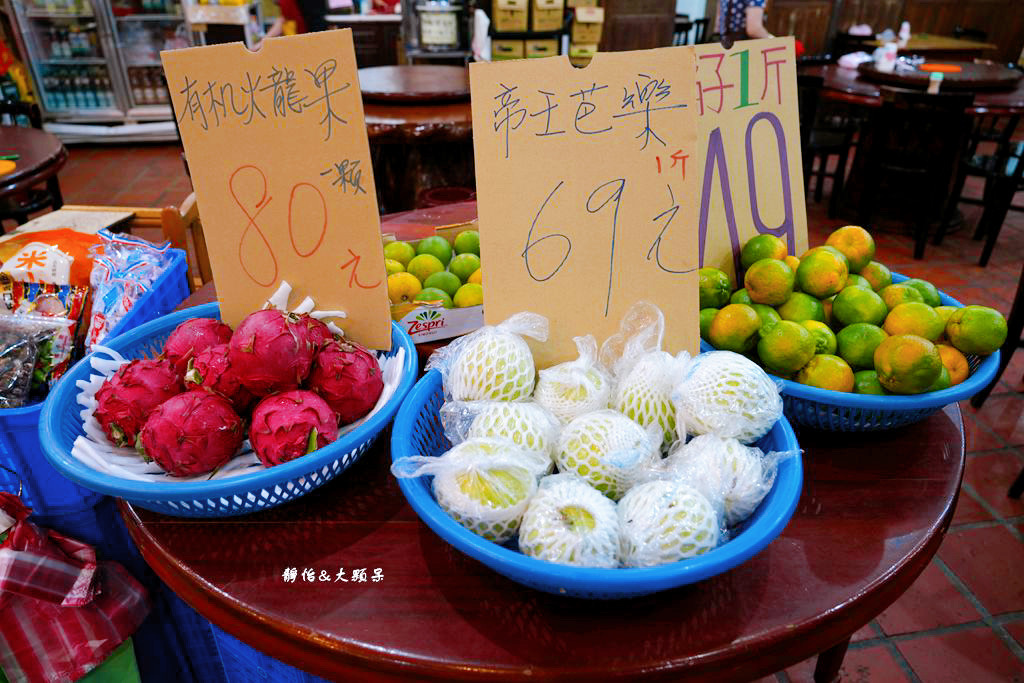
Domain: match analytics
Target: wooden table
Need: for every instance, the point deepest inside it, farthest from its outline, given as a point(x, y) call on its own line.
point(940, 47)
point(850, 86)
point(414, 83)
point(42, 155)
point(872, 514)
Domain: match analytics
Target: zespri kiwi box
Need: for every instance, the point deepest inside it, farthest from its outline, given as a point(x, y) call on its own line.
point(435, 283)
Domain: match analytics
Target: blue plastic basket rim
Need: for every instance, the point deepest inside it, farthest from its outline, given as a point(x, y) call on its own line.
point(178, 257)
point(586, 579)
point(974, 383)
point(278, 475)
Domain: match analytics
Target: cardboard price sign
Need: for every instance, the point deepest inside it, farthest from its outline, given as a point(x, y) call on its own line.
point(749, 162)
point(280, 162)
point(584, 194)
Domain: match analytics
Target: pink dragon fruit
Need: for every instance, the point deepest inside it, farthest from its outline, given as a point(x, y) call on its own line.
point(129, 395)
point(291, 424)
point(211, 370)
point(191, 337)
point(270, 352)
point(317, 331)
point(192, 433)
point(348, 377)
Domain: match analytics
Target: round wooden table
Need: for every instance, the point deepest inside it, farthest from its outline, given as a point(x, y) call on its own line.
point(969, 76)
point(412, 83)
point(41, 156)
point(850, 86)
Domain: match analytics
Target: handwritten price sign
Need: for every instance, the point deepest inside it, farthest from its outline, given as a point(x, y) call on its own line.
point(750, 172)
point(584, 199)
point(280, 162)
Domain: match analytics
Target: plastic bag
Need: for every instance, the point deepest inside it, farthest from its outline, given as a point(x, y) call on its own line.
point(726, 394)
point(59, 257)
point(663, 521)
point(486, 494)
point(576, 387)
point(493, 363)
point(525, 423)
point(608, 450)
point(726, 470)
point(28, 347)
point(570, 522)
point(644, 374)
point(125, 269)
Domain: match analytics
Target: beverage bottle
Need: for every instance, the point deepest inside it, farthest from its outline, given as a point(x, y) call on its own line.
point(137, 93)
point(108, 90)
point(147, 85)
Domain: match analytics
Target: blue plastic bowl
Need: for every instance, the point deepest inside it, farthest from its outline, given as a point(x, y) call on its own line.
point(60, 425)
point(418, 431)
point(842, 412)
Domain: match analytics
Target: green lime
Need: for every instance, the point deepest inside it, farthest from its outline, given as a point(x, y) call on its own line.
point(976, 330)
point(943, 382)
point(740, 296)
point(467, 242)
point(866, 382)
point(785, 347)
point(800, 307)
point(464, 265)
point(824, 337)
point(769, 281)
point(735, 328)
point(435, 294)
point(436, 246)
point(855, 280)
point(877, 275)
point(768, 315)
point(423, 266)
point(857, 344)
point(706, 316)
point(859, 305)
point(894, 295)
point(393, 266)
point(926, 289)
point(443, 280)
point(762, 247)
point(399, 251)
point(714, 287)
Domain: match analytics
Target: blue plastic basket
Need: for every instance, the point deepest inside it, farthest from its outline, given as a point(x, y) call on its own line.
point(244, 664)
point(45, 491)
point(842, 412)
point(61, 424)
point(418, 431)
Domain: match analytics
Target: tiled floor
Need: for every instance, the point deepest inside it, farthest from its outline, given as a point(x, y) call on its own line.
point(963, 620)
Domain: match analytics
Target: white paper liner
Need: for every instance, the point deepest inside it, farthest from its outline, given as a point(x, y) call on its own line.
point(96, 452)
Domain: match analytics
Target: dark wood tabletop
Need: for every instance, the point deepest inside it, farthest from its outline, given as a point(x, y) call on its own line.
point(872, 513)
point(850, 86)
point(41, 154)
point(970, 76)
point(414, 83)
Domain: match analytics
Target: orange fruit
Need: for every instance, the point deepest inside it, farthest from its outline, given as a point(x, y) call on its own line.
point(824, 337)
point(740, 296)
point(877, 275)
point(854, 280)
point(927, 290)
point(856, 244)
point(827, 306)
point(955, 362)
point(785, 347)
point(914, 318)
point(976, 330)
point(792, 262)
point(734, 328)
point(768, 315)
point(706, 316)
point(826, 371)
point(714, 287)
point(859, 305)
point(907, 364)
point(822, 272)
point(857, 344)
point(800, 307)
point(866, 382)
point(769, 281)
point(943, 382)
point(762, 247)
point(894, 295)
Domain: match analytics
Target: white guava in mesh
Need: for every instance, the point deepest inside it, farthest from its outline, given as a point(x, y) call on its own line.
point(726, 394)
point(525, 424)
point(665, 521)
point(496, 366)
point(486, 495)
point(577, 387)
point(740, 476)
point(644, 394)
point(569, 522)
point(538, 462)
point(608, 450)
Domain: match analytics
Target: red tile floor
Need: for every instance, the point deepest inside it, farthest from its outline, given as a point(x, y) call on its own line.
point(963, 620)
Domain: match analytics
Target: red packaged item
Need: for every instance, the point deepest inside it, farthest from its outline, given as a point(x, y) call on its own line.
point(64, 612)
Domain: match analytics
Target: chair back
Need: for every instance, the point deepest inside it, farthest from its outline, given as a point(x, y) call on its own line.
point(700, 33)
point(808, 90)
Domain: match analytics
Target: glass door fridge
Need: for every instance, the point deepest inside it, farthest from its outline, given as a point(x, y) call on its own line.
point(68, 46)
point(141, 30)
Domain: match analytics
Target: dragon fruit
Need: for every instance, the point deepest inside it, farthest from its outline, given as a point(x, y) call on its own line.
point(191, 337)
point(291, 424)
point(211, 370)
point(129, 395)
point(192, 433)
point(317, 331)
point(348, 377)
point(271, 351)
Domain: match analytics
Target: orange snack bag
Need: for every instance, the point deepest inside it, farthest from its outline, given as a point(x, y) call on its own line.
point(59, 257)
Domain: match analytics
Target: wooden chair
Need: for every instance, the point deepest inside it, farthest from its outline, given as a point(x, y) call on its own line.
point(179, 226)
point(913, 143)
point(48, 196)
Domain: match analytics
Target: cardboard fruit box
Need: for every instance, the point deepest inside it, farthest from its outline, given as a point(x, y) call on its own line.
point(428, 321)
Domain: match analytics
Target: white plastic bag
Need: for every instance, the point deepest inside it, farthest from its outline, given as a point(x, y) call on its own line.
point(576, 387)
point(524, 423)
